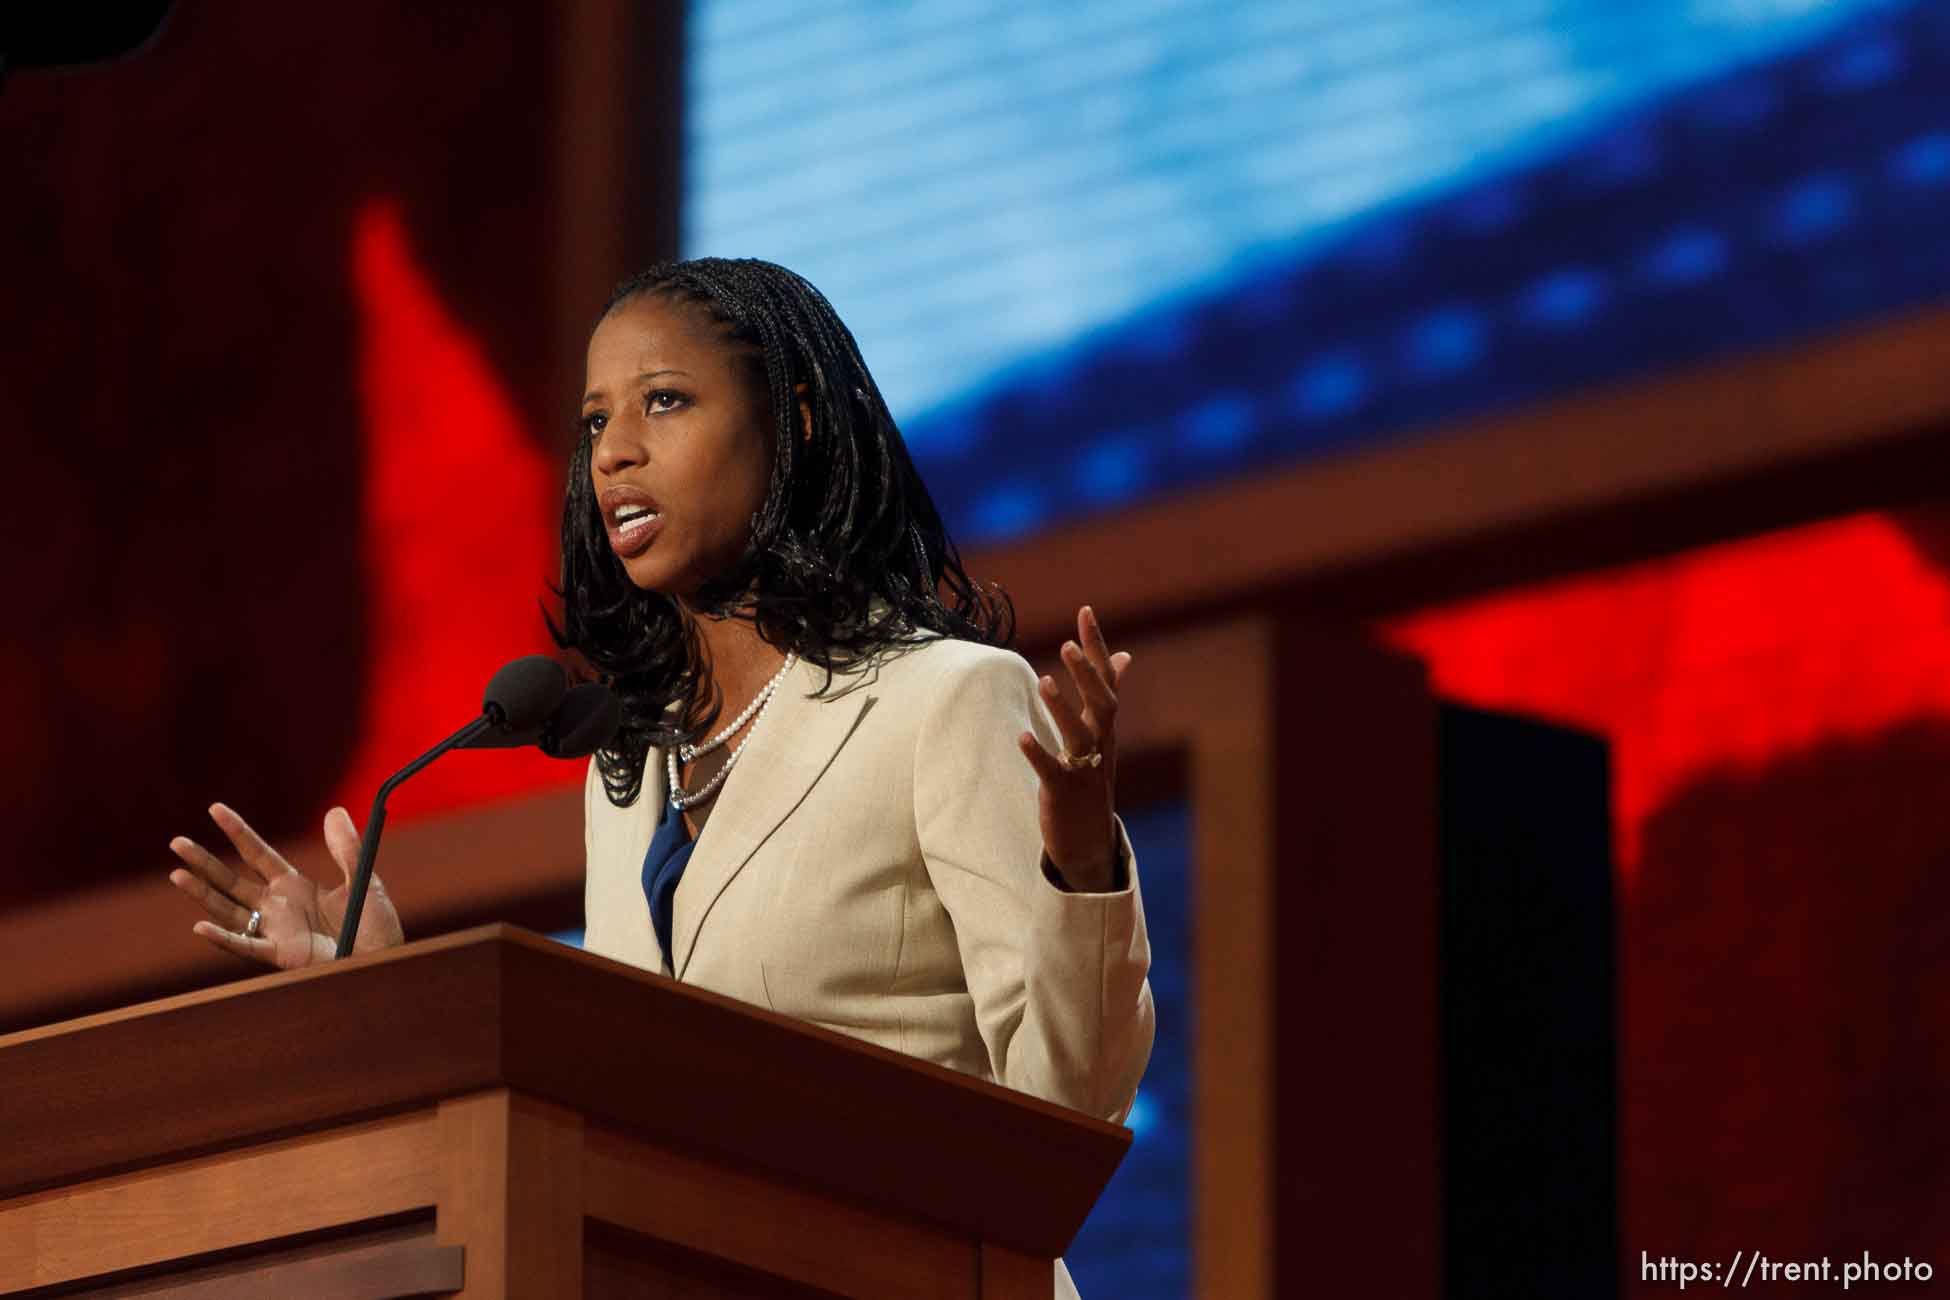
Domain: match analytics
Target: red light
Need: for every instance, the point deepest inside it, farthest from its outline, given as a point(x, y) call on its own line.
point(458, 540)
point(1725, 659)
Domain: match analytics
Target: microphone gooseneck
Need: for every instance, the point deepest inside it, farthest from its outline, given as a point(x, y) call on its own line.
point(522, 697)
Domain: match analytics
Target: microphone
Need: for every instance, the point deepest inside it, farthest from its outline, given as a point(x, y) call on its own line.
point(523, 693)
point(585, 721)
point(521, 697)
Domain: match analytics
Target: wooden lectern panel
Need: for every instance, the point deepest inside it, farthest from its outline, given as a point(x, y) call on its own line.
point(709, 1209)
point(511, 1193)
point(464, 1109)
point(625, 1266)
point(216, 1203)
point(382, 1265)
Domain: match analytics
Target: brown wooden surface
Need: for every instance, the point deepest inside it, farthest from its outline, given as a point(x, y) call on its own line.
point(499, 1008)
point(1750, 443)
point(621, 1265)
point(1173, 704)
point(708, 1208)
point(150, 1216)
point(511, 1194)
point(378, 1266)
point(790, 1098)
point(1012, 1275)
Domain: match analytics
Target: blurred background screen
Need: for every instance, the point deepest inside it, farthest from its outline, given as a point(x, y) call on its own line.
point(1101, 252)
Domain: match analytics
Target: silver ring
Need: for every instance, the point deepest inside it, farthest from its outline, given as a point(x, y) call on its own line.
point(1071, 762)
point(252, 926)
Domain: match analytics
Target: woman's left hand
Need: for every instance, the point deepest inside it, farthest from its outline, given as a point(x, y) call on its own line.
point(1077, 799)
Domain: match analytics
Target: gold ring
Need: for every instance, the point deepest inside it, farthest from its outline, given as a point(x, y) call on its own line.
point(1071, 762)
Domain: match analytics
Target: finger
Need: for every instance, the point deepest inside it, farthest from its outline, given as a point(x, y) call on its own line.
point(1047, 767)
point(1093, 685)
point(1118, 663)
point(262, 951)
point(342, 838)
point(1090, 635)
point(1077, 737)
point(257, 855)
point(222, 908)
point(220, 874)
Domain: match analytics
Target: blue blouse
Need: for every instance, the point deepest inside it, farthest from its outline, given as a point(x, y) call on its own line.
point(663, 866)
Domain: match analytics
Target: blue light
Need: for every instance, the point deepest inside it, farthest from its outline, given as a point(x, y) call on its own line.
point(1739, 105)
point(1328, 386)
point(1687, 256)
point(1381, 245)
point(571, 937)
point(1491, 209)
point(1219, 424)
point(1264, 299)
point(1924, 161)
point(1010, 510)
point(1445, 342)
point(944, 431)
point(1143, 1115)
point(1112, 469)
point(1565, 298)
point(1625, 157)
point(1815, 209)
point(1159, 335)
point(974, 185)
point(1868, 62)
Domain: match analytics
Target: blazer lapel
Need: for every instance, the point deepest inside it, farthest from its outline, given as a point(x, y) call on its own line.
point(787, 754)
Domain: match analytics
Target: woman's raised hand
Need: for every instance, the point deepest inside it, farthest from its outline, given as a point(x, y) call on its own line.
point(298, 923)
point(1077, 801)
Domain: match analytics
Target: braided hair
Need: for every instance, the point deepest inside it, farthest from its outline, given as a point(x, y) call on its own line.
point(847, 556)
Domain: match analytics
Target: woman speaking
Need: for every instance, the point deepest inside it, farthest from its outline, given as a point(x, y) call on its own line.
point(812, 804)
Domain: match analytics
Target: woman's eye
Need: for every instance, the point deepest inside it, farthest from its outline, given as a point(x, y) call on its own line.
point(593, 424)
point(662, 399)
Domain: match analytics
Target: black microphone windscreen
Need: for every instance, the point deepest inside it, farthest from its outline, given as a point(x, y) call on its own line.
point(525, 692)
point(587, 720)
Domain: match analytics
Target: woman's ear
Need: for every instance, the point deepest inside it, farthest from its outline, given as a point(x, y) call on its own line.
point(805, 410)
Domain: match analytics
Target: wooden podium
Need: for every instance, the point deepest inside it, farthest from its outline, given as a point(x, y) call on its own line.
point(490, 1114)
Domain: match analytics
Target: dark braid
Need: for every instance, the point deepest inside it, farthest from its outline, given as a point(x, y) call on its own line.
point(846, 521)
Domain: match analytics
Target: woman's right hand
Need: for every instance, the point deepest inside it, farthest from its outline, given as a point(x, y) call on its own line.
point(298, 923)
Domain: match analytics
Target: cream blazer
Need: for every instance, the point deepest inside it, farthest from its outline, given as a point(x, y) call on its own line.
point(873, 865)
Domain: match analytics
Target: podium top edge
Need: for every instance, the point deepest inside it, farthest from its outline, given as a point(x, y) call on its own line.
point(500, 1007)
point(496, 932)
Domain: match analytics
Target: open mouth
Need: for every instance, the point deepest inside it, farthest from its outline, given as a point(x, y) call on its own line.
point(631, 517)
point(631, 520)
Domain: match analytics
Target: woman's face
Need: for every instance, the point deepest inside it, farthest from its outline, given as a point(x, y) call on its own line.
point(680, 447)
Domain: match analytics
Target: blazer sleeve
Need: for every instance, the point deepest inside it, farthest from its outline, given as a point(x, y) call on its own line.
point(1059, 980)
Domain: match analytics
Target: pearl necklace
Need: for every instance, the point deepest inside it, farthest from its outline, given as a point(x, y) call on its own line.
point(681, 798)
